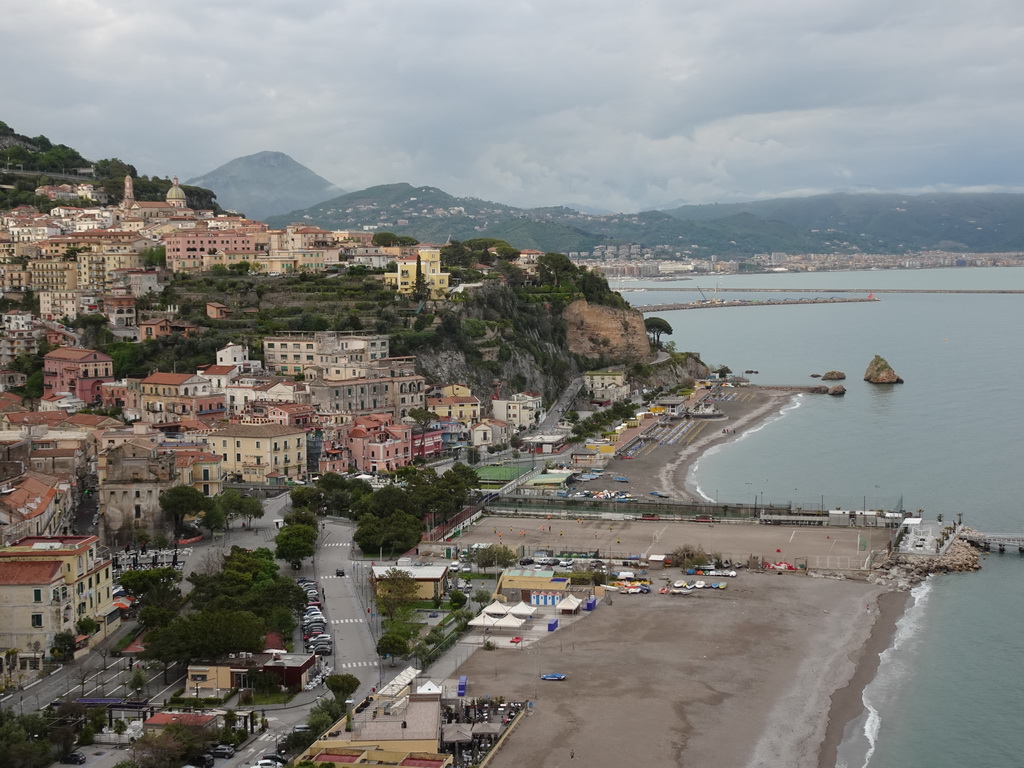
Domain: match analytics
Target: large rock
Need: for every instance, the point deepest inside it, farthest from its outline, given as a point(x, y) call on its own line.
point(880, 372)
point(833, 376)
point(606, 334)
point(837, 391)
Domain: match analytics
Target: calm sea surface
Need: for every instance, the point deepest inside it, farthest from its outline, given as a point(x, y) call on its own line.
point(951, 691)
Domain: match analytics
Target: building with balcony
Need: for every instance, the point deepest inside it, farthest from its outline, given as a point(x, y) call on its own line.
point(424, 267)
point(253, 452)
point(520, 411)
point(78, 371)
point(47, 584)
point(177, 396)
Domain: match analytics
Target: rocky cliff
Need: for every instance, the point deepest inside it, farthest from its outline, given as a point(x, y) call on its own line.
point(606, 334)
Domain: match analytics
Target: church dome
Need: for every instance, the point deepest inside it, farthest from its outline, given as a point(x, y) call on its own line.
point(176, 195)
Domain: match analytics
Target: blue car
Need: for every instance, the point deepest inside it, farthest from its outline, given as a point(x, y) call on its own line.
point(553, 676)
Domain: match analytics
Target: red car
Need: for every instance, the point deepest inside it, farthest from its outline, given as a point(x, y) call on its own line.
point(516, 640)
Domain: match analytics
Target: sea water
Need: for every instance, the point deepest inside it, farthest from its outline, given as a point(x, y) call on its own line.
point(949, 691)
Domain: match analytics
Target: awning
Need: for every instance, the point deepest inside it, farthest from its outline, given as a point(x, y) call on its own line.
point(80, 638)
point(124, 605)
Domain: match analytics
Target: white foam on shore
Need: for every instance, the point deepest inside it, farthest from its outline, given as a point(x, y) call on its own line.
point(894, 665)
point(691, 476)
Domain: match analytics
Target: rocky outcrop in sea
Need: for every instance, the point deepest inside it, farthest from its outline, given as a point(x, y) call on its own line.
point(880, 372)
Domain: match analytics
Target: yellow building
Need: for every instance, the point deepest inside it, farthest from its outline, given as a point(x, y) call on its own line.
point(47, 585)
point(259, 452)
point(606, 385)
point(428, 263)
point(463, 409)
point(54, 274)
point(431, 580)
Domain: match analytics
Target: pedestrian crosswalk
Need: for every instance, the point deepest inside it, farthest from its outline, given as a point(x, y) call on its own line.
point(338, 544)
point(355, 664)
point(346, 621)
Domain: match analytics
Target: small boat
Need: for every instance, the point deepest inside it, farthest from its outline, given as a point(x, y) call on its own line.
point(713, 585)
point(691, 584)
point(679, 584)
point(699, 585)
point(663, 590)
point(722, 585)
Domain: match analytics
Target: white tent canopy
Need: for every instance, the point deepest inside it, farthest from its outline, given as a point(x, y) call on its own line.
point(570, 604)
point(522, 610)
point(496, 609)
point(499, 622)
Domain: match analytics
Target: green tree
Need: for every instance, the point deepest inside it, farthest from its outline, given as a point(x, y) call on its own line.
point(206, 634)
point(392, 644)
point(214, 518)
point(395, 590)
point(656, 327)
point(64, 645)
point(458, 599)
point(181, 501)
point(236, 506)
point(398, 532)
point(342, 686)
point(295, 543)
point(481, 597)
point(496, 555)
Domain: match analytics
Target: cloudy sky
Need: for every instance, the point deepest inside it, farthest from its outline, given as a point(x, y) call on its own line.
point(611, 104)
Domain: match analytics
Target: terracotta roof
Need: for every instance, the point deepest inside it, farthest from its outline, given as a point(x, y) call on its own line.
point(173, 379)
point(29, 572)
point(188, 458)
point(218, 370)
point(75, 355)
point(258, 430)
point(88, 419)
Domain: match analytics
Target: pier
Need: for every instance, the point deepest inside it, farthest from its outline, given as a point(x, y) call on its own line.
point(998, 541)
point(747, 303)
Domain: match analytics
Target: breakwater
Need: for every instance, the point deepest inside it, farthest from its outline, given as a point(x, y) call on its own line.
point(716, 304)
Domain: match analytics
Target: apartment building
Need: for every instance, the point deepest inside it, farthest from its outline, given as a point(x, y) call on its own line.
point(131, 476)
point(78, 371)
point(47, 584)
point(520, 411)
point(177, 396)
point(258, 453)
point(290, 353)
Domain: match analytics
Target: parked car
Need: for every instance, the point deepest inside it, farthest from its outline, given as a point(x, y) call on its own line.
point(340, 572)
point(526, 561)
point(553, 676)
point(205, 760)
point(323, 650)
point(223, 750)
point(73, 758)
point(277, 759)
point(516, 640)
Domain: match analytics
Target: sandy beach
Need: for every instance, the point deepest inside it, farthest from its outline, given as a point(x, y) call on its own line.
point(765, 673)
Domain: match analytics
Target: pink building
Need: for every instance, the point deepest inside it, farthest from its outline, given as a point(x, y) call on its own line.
point(377, 445)
point(78, 371)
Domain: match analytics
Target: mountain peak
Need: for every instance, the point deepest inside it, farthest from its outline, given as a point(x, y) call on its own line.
point(266, 183)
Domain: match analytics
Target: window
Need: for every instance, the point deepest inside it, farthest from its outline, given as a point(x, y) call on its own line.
point(238, 457)
point(258, 446)
point(37, 596)
point(37, 620)
point(138, 512)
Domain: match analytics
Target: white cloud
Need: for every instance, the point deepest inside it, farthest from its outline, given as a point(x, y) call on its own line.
point(615, 105)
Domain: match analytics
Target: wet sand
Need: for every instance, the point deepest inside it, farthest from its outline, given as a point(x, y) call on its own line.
point(666, 468)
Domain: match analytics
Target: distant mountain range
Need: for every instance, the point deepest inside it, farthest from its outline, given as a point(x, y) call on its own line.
point(265, 184)
point(274, 187)
point(836, 223)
